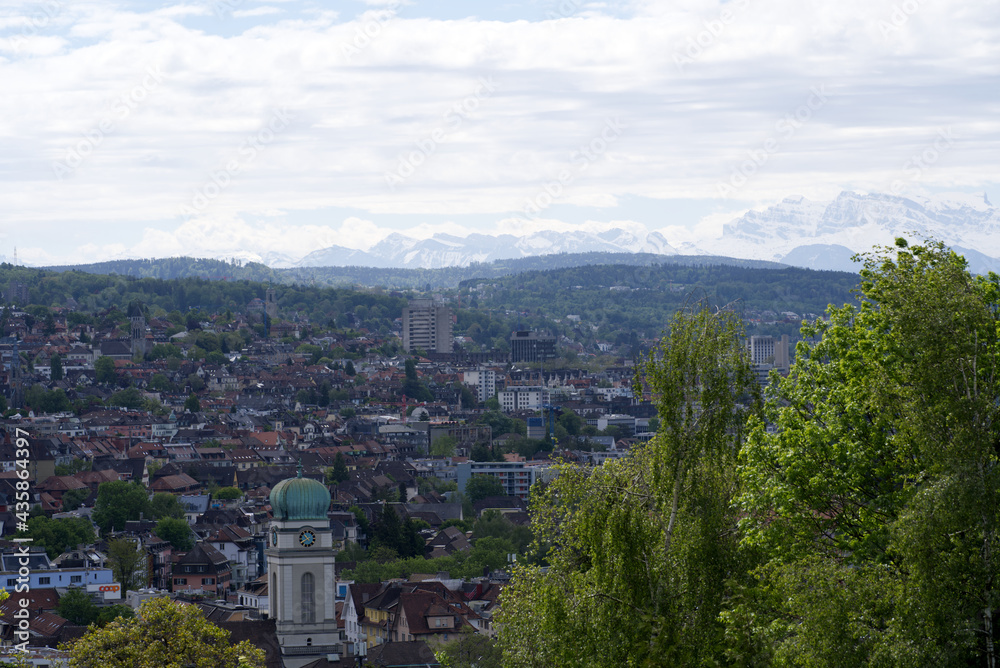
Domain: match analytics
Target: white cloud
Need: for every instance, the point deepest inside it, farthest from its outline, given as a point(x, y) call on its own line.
point(368, 93)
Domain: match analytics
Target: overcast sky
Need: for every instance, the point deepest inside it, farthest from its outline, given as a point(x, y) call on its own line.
point(150, 129)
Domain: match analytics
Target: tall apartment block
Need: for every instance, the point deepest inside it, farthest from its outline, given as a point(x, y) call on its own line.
point(427, 325)
point(766, 350)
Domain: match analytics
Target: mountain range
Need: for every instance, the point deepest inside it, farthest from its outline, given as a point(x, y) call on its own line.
point(445, 250)
point(795, 231)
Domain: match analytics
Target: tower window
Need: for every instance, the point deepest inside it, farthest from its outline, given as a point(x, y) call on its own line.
point(308, 598)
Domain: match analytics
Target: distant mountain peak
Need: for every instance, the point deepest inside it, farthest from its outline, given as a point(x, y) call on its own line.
point(447, 250)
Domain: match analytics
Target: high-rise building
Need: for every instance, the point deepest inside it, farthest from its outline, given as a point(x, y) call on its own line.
point(427, 326)
point(765, 350)
point(531, 347)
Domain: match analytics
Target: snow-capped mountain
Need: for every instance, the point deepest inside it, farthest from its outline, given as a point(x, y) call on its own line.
point(445, 250)
point(796, 231)
point(823, 235)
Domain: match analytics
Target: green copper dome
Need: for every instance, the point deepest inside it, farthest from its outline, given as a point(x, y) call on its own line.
point(300, 499)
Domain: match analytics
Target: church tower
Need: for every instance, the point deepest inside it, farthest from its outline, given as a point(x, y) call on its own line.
point(270, 303)
point(300, 562)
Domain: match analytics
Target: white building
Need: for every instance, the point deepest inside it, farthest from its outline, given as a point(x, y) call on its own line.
point(43, 574)
point(523, 398)
point(484, 380)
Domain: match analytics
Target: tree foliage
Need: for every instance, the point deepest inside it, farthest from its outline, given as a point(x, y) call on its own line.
point(875, 496)
point(338, 473)
point(105, 370)
point(58, 536)
point(128, 563)
point(480, 486)
point(165, 634)
point(118, 502)
point(641, 551)
point(177, 532)
point(164, 504)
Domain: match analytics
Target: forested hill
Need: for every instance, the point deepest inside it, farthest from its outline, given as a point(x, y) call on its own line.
point(447, 277)
point(179, 267)
point(622, 297)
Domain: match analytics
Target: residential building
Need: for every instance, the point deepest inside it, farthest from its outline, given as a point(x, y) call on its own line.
point(767, 350)
point(516, 477)
point(427, 325)
point(523, 398)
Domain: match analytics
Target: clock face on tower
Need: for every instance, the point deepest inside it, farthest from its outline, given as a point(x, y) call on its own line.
point(274, 536)
point(307, 538)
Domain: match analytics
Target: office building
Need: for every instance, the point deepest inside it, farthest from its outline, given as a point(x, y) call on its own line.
point(531, 347)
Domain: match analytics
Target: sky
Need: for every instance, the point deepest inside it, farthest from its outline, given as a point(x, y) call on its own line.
point(279, 127)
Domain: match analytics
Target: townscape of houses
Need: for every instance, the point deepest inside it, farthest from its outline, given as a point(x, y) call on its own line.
point(269, 412)
point(272, 410)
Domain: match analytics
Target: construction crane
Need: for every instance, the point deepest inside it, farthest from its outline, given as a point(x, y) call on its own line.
point(553, 411)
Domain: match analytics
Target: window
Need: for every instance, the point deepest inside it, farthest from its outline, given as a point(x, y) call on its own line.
point(308, 598)
point(75, 578)
point(180, 581)
point(11, 582)
point(208, 581)
point(44, 581)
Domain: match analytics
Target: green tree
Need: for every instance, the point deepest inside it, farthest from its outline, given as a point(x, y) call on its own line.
point(227, 494)
point(443, 446)
point(196, 383)
point(471, 650)
point(642, 551)
point(118, 502)
point(57, 368)
point(104, 369)
point(165, 505)
point(481, 486)
point(74, 498)
point(128, 563)
point(177, 532)
point(413, 388)
point(77, 607)
point(58, 536)
point(878, 481)
point(127, 398)
point(192, 403)
point(163, 633)
point(110, 613)
point(160, 383)
point(338, 473)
